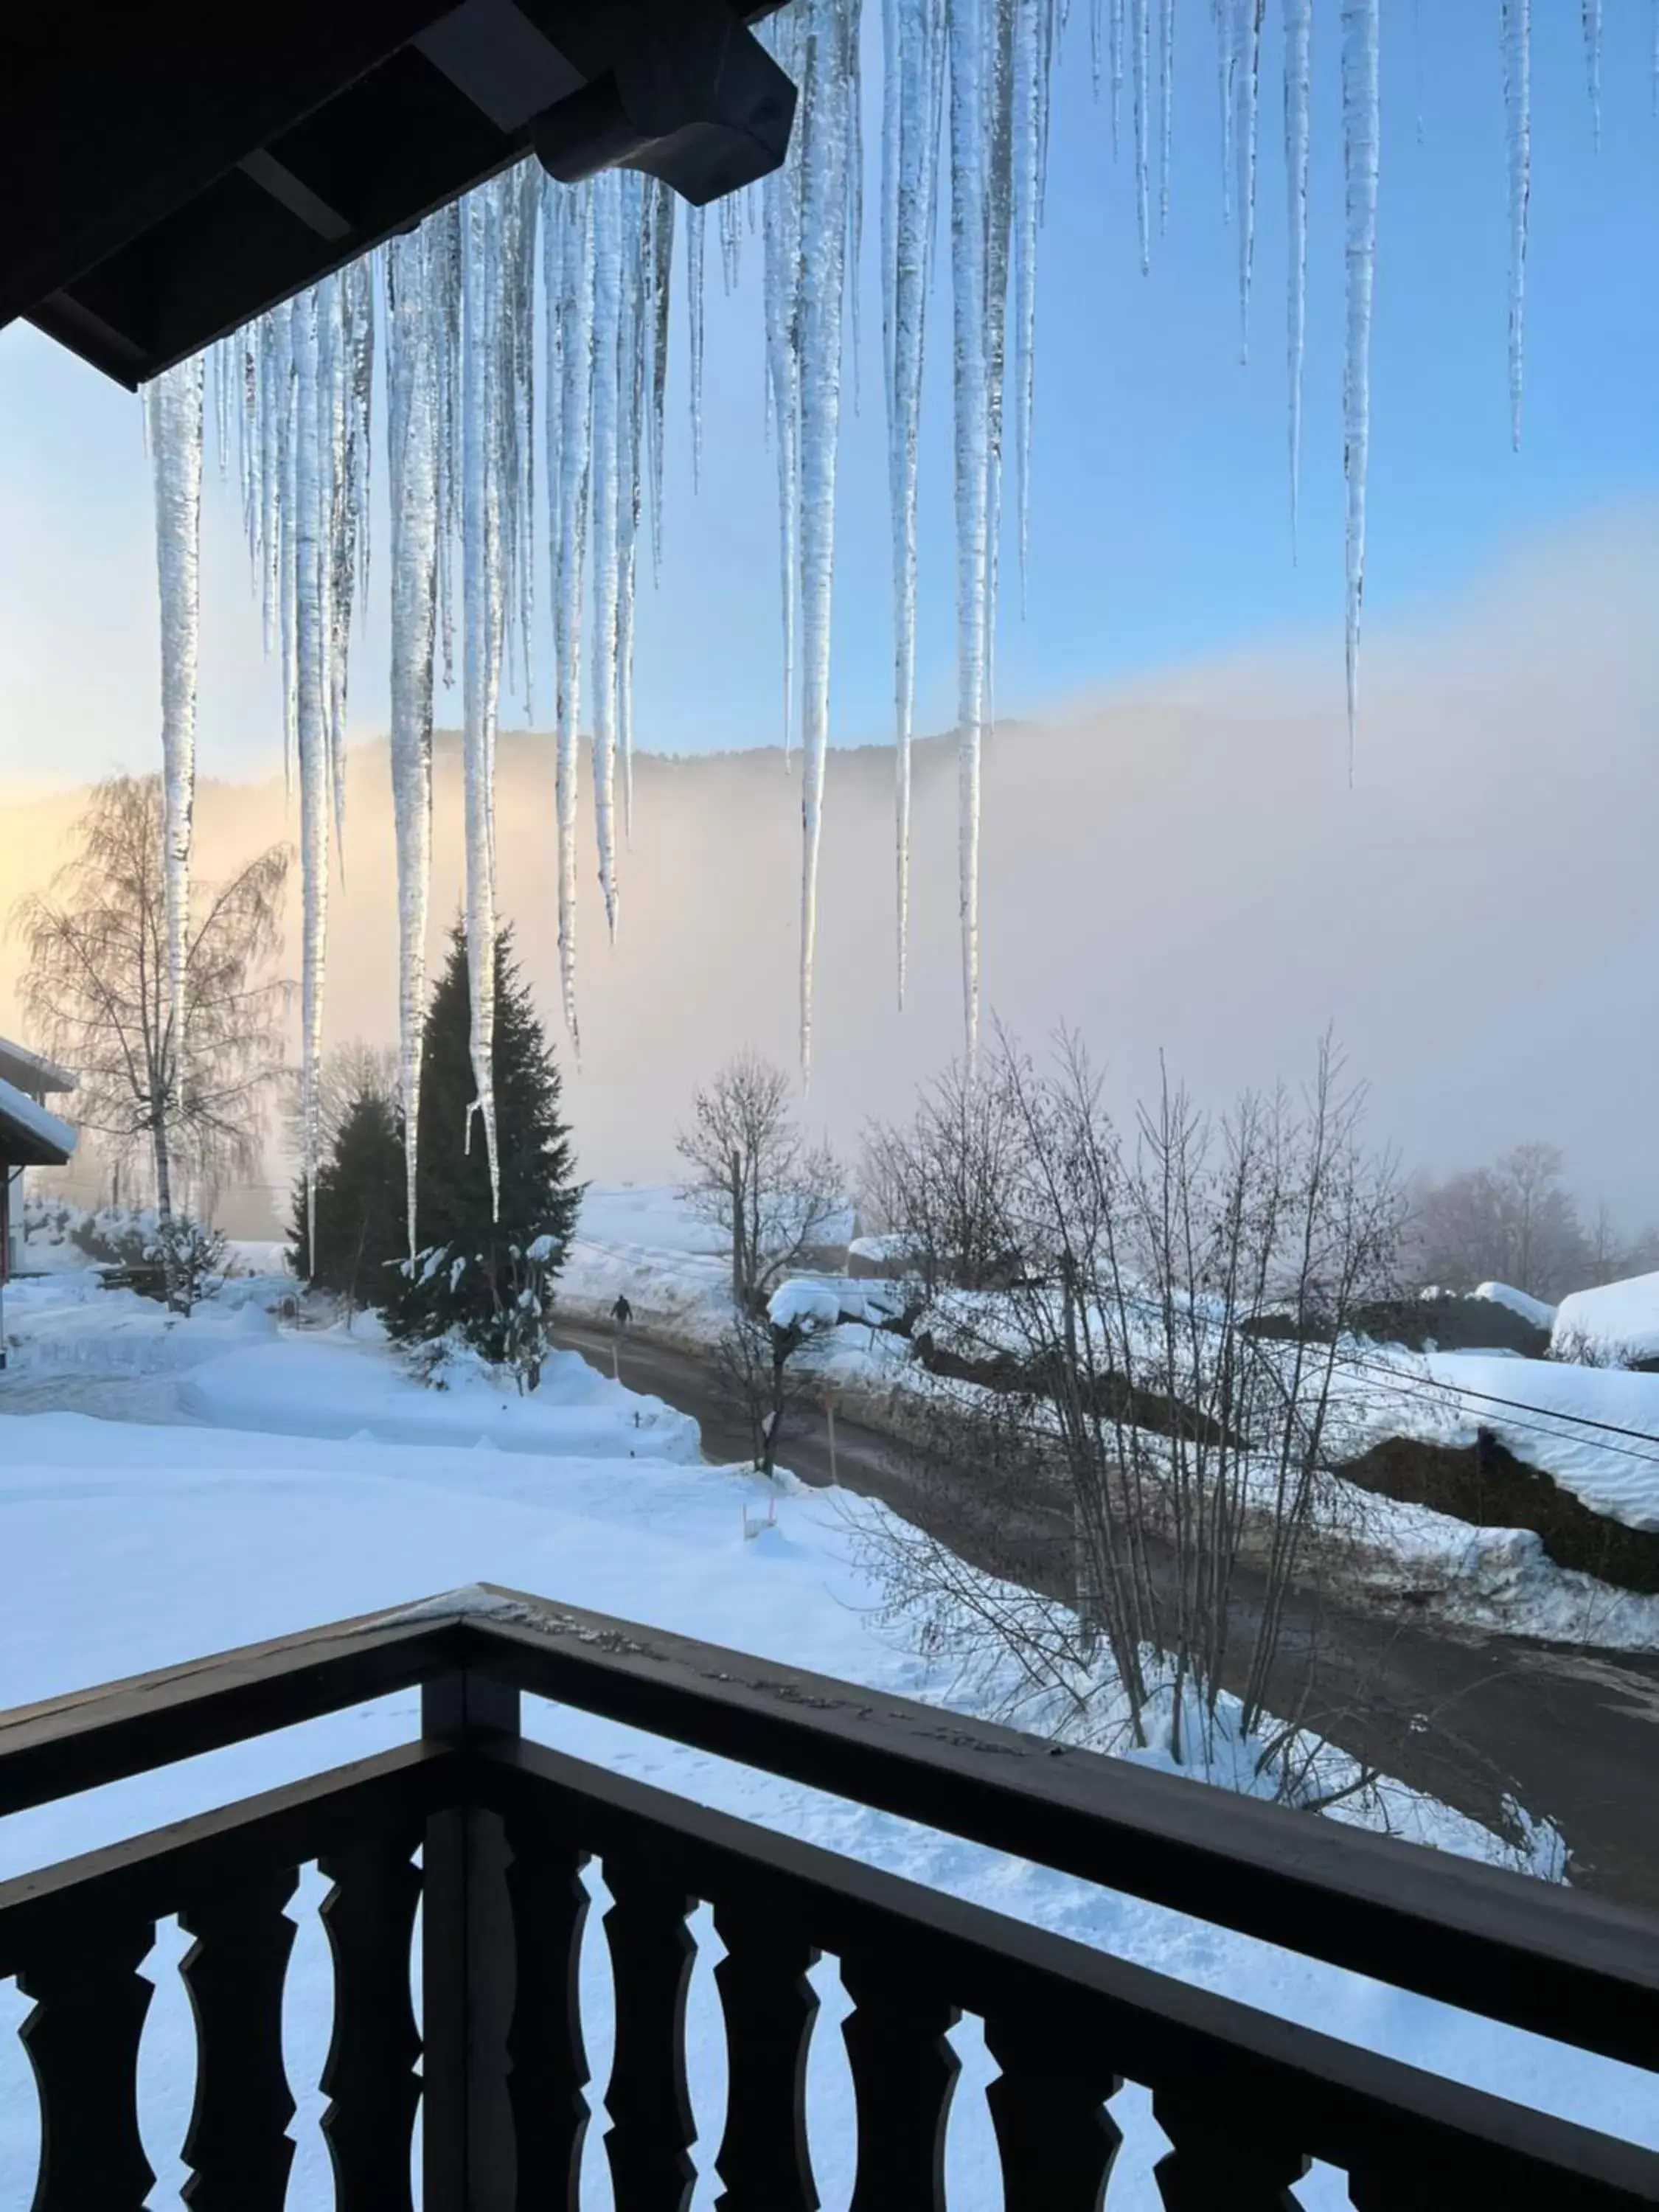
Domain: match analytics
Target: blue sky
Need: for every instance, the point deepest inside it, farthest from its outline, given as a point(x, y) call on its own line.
point(1160, 525)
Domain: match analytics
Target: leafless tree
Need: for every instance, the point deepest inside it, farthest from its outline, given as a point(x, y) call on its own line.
point(756, 1174)
point(1139, 1404)
point(350, 1071)
point(1515, 1221)
point(187, 1087)
point(938, 1181)
point(753, 1372)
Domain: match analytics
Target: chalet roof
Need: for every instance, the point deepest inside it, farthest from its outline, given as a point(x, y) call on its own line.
point(32, 1072)
point(30, 1136)
point(183, 168)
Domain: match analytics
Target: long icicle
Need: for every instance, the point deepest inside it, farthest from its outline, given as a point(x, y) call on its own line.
point(1031, 64)
point(308, 553)
point(569, 271)
point(1298, 20)
point(412, 442)
point(1592, 11)
point(607, 375)
point(1166, 108)
point(910, 160)
point(1361, 131)
point(1517, 130)
point(1140, 38)
point(637, 196)
point(694, 227)
point(831, 34)
point(970, 40)
point(1247, 88)
point(781, 217)
point(174, 407)
point(481, 592)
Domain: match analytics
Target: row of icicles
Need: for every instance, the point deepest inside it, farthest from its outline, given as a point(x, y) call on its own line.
point(468, 360)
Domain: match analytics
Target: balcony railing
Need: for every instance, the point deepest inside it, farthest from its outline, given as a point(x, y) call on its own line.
point(504, 1828)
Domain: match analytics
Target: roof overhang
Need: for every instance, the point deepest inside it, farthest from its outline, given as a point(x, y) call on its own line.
point(32, 1072)
point(30, 1136)
point(174, 170)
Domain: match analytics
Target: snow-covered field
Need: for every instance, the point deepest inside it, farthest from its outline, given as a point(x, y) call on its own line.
point(303, 1481)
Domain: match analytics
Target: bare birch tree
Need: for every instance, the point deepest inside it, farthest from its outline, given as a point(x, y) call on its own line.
point(186, 1087)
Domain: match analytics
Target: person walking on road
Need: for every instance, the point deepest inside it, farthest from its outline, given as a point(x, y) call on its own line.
point(622, 1313)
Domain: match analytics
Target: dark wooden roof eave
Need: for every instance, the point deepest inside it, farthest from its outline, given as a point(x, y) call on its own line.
point(185, 169)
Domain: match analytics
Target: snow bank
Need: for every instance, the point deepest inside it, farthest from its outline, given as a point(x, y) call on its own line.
point(1535, 1310)
point(1594, 1430)
point(1613, 1326)
point(335, 1385)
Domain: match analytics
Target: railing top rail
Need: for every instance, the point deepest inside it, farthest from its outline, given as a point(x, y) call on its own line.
point(1572, 1967)
point(64, 1745)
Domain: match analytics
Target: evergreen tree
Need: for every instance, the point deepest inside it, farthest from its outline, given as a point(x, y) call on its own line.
point(361, 1230)
point(489, 1279)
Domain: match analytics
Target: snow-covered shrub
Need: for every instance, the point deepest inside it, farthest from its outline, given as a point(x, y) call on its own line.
point(192, 1258)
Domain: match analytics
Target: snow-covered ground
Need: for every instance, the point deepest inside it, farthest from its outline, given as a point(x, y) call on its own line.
point(307, 1484)
point(1569, 1422)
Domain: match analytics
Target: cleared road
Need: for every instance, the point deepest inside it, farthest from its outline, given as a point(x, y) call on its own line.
point(1573, 1735)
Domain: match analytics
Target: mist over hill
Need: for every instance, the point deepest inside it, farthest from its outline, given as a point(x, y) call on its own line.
point(1186, 871)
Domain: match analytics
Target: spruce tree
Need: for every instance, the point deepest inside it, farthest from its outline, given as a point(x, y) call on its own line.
point(361, 1230)
point(488, 1278)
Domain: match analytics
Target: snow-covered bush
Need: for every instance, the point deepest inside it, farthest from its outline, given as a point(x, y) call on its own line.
point(192, 1258)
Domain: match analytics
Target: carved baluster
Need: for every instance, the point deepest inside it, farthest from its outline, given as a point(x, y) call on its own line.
point(82, 2041)
point(652, 2131)
point(769, 2005)
point(370, 2079)
point(238, 2141)
point(1056, 2140)
point(1220, 2161)
point(545, 2044)
point(903, 2072)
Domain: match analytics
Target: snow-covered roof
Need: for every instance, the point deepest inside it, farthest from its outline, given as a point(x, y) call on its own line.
point(30, 1136)
point(31, 1071)
point(1537, 1310)
point(1618, 1322)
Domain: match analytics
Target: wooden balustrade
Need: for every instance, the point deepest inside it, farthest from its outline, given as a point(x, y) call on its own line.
point(491, 1835)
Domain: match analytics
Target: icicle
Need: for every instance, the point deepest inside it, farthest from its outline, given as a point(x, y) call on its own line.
point(1593, 66)
point(334, 390)
point(1360, 133)
point(910, 151)
point(481, 592)
point(568, 272)
point(1517, 113)
point(1247, 83)
point(1222, 12)
point(309, 556)
point(607, 377)
point(173, 406)
point(694, 302)
point(662, 238)
point(1416, 64)
point(636, 312)
point(413, 442)
point(999, 219)
point(1139, 26)
point(448, 257)
point(1031, 56)
point(781, 220)
point(1298, 17)
point(831, 28)
point(287, 515)
point(1117, 70)
point(1097, 41)
point(969, 41)
point(731, 213)
point(1166, 108)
